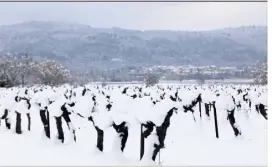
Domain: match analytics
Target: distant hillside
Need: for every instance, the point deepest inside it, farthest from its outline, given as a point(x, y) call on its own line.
point(82, 47)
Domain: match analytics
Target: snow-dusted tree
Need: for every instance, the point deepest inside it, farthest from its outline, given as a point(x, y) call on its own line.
point(9, 66)
point(260, 73)
point(26, 67)
point(51, 73)
point(14, 70)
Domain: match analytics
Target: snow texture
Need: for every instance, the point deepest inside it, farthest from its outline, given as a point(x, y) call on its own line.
point(190, 139)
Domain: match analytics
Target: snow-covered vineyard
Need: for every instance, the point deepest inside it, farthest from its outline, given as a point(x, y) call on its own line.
point(134, 124)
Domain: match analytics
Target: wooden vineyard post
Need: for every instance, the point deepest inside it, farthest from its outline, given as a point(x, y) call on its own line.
point(48, 124)
point(199, 107)
point(142, 143)
point(215, 121)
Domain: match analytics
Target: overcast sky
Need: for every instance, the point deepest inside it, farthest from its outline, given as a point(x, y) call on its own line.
point(141, 16)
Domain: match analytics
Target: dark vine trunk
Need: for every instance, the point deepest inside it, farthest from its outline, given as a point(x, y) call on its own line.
point(100, 138)
point(67, 119)
point(122, 130)
point(257, 108)
point(232, 122)
point(142, 144)
point(7, 123)
point(45, 122)
point(5, 117)
point(18, 126)
point(100, 135)
point(29, 121)
point(207, 109)
point(59, 128)
point(144, 134)
point(263, 111)
point(161, 133)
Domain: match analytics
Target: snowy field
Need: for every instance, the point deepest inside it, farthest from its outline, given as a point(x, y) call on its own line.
point(102, 125)
point(207, 81)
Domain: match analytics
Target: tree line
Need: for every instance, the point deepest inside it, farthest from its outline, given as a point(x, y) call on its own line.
point(23, 70)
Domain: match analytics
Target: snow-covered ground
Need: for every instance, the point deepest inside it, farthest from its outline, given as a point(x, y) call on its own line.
point(187, 142)
point(208, 81)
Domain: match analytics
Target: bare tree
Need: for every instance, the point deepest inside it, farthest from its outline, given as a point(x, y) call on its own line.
point(27, 65)
point(10, 69)
point(15, 69)
point(151, 79)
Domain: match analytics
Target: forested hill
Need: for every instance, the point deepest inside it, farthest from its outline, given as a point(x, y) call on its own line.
point(82, 47)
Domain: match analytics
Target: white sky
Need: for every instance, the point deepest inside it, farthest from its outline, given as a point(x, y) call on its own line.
point(141, 16)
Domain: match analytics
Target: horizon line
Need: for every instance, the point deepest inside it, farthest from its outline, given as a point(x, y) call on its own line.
point(146, 30)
